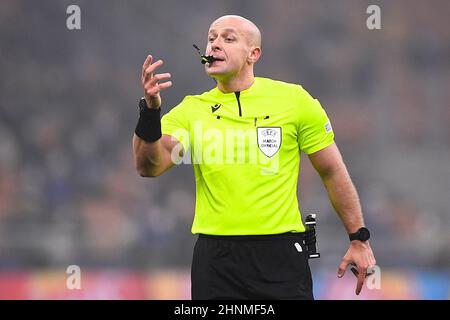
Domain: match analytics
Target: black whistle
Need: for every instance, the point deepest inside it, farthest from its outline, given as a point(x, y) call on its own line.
point(205, 59)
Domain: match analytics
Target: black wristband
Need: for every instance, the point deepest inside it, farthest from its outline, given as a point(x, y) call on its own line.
point(148, 127)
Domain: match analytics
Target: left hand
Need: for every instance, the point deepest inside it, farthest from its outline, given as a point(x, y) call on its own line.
point(359, 254)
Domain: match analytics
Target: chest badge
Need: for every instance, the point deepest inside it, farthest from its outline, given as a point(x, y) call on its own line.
point(269, 140)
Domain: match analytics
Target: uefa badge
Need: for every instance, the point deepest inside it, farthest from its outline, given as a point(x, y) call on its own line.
point(269, 140)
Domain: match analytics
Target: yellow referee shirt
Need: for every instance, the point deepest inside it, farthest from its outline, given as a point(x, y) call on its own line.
point(245, 149)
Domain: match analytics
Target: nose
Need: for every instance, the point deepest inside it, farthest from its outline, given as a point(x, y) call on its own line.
point(215, 45)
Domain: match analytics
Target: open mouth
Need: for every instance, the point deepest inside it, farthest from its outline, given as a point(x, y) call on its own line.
point(214, 61)
point(218, 59)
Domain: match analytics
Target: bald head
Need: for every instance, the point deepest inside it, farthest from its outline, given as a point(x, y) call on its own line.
point(235, 43)
point(244, 26)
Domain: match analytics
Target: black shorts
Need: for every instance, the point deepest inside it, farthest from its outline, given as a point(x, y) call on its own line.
point(251, 267)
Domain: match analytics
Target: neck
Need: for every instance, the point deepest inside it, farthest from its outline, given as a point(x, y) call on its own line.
point(236, 83)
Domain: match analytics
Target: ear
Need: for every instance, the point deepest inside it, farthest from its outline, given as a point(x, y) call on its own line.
point(254, 55)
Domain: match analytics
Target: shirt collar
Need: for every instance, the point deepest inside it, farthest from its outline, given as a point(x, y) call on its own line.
point(217, 93)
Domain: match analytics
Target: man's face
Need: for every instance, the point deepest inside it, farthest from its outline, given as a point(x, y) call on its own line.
point(228, 42)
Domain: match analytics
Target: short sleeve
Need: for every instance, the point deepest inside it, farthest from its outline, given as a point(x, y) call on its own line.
point(314, 129)
point(175, 124)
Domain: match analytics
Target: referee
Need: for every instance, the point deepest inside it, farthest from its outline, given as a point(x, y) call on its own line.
point(244, 137)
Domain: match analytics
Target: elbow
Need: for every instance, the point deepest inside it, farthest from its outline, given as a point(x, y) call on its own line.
point(143, 174)
point(326, 173)
point(332, 172)
point(146, 172)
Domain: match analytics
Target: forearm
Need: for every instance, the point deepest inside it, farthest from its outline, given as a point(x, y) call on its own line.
point(344, 198)
point(148, 156)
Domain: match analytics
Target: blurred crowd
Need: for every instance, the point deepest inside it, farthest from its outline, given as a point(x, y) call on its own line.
point(69, 193)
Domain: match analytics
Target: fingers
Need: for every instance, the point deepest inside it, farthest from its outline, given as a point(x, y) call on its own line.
point(158, 77)
point(360, 274)
point(148, 72)
point(147, 62)
point(152, 87)
point(156, 89)
point(150, 82)
point(165, 85)
point(361, 277)
point(342, 267)
point(363, 264)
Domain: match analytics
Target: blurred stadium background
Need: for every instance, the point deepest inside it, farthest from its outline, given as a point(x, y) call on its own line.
point(69, 194)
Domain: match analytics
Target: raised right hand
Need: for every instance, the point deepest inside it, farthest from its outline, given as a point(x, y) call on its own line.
point(150, 82)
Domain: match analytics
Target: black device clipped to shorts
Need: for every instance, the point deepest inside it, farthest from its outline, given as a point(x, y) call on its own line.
point(310, 238)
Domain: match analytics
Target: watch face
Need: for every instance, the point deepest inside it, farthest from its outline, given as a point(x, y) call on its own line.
point(364, 234)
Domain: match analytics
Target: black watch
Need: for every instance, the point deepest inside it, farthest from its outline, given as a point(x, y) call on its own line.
point(362, 234)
